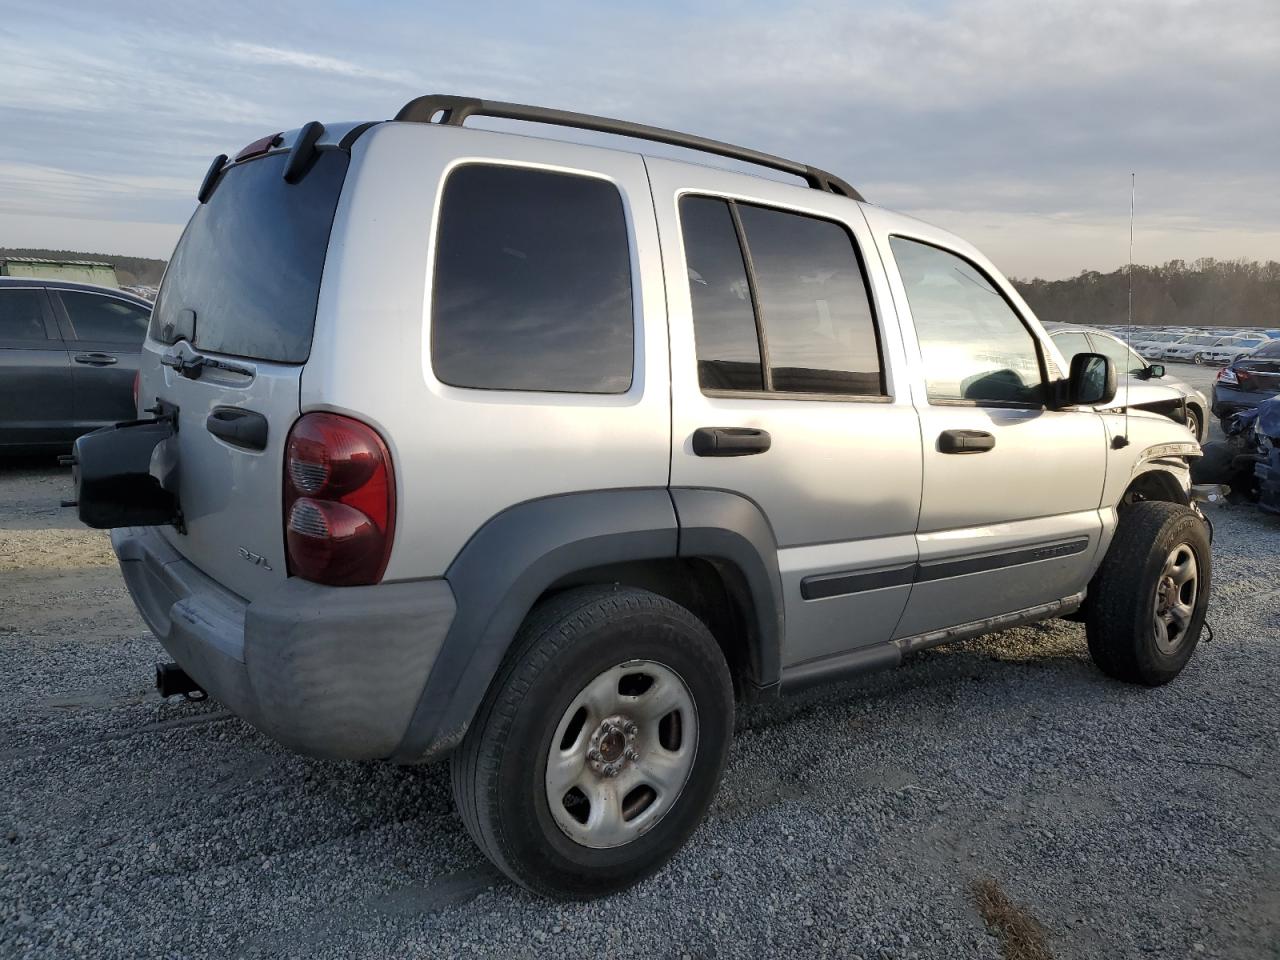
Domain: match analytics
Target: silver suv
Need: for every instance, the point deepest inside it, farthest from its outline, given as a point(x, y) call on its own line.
point(544, 456)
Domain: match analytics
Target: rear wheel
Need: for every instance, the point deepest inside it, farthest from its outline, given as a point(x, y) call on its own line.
point(1147, 601)
point(600, 745)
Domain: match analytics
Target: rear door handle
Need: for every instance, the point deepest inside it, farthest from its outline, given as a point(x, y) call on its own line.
point(730, 441)
point(96, 359)
point(239, 427)
point(965, 441)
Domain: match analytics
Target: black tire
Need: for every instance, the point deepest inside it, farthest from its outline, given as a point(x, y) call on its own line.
point(1194, 422)
point(1122, 602)
point(499, 770)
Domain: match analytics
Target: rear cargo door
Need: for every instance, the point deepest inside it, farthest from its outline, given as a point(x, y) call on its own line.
point(229, 337)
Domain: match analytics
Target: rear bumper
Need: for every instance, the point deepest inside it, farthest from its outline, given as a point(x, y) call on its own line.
point(1228, 400)
point(332, 672)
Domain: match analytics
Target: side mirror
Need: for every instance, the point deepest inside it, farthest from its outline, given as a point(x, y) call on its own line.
point(1092, 381)
point(1155, 371)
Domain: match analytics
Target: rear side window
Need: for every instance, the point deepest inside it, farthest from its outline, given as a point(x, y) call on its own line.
point(532, 283)
point(22, 315)
point(249, 265)
point(95, 317)
point(780, 302)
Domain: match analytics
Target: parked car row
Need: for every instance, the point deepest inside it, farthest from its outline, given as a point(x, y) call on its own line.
point(1196, 346)
point(68, 357)
point(1139, 385)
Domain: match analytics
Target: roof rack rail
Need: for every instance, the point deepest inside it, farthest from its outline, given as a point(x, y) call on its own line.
point(453, 111)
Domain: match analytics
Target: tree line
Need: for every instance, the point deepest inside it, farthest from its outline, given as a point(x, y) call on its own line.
point(1202, 293)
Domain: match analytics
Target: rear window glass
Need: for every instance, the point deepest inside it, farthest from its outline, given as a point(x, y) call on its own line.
point(532, 283)
point(250, 261)
point(22, 315)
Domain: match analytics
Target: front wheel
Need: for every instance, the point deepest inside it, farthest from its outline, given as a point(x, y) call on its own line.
point(1193, 422)
point(1147, 602)
point(600, 745)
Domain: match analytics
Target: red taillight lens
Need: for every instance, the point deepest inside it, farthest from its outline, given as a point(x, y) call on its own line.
point(339, 501)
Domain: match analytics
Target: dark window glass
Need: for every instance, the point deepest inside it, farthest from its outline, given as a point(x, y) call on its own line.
point(1271, 349)
point(250, 261)
point(22, 315)
point(724, 323)
point(95, 317)
point(973, 345)
point(532, 283)
point(1124, 360)
point(818, 324)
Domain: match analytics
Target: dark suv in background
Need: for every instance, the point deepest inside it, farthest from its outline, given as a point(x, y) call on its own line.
point(68, 356)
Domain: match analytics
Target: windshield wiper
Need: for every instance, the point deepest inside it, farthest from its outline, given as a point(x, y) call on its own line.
point(193, 367)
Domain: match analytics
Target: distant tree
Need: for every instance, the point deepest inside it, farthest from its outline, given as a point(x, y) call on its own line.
point(1205, 292)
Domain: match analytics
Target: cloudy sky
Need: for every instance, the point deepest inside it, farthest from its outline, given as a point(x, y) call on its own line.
point(1013, 122)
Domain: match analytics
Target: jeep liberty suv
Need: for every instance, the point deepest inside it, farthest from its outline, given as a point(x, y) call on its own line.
point(543, 456)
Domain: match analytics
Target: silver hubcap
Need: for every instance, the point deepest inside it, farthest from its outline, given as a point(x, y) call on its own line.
point(621, 754)
point(1176, 597)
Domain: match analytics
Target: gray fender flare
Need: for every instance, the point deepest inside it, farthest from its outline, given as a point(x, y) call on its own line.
point(510, 561)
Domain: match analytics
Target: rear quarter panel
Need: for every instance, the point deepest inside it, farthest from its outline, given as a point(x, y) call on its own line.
point(462, 456)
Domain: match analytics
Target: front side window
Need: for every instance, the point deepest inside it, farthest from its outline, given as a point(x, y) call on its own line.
point(95, 317)
point(1124, 360)
point(1072, 343)
point(22, 315)
point(780, 302)
point(532, 283)
point(974, 346)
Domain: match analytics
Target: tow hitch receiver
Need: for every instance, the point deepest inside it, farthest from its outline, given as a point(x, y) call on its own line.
point(172, 680)
point(126, 475)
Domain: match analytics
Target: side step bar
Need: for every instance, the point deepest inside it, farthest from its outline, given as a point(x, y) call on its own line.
point(882, 656)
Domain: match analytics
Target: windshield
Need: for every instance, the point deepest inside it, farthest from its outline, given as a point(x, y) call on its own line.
point(248, 266)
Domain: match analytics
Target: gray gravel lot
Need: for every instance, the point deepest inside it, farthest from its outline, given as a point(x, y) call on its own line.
point(851, 823)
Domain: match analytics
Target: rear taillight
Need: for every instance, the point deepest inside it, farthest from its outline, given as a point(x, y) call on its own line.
point(1228, 376)
point(339, 501)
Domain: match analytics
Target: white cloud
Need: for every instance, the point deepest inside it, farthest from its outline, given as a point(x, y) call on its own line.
point(277, 56)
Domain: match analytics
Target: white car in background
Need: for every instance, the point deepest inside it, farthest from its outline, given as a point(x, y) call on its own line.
point(1185, 350)
point(1151, 346)
point(1139, 385)
point(1229, 348)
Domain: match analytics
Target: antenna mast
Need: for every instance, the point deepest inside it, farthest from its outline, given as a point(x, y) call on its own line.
point(1123, 441)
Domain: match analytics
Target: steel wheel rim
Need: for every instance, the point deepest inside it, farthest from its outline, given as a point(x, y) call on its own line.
point(1177, 590)
point(625, 746)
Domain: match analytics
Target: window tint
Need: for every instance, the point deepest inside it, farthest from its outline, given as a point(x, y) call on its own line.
point(1072, 343)
point(532, 283)
point(807, 280)
point(818, 323)
point(973, 345)
point(724, 323)
point(1122, 358)
point(95, 317)
point(22, 315)
point(250, 262)
point(1271, 349)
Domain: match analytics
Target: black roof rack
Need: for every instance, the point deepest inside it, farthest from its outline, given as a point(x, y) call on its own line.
point(453, 111)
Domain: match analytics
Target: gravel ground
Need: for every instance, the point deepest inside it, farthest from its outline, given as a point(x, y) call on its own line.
point(852, 823)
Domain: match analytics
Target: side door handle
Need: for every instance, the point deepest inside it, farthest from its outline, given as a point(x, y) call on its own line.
point(239, 427)
point(730, 441)
point(965, 441)
point(96, 359)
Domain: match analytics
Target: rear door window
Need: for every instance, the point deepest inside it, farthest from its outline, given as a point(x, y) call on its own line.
point(249, 265)
point(22, 316)
point(780, 302)
point(98, 317)
point(532, 286)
